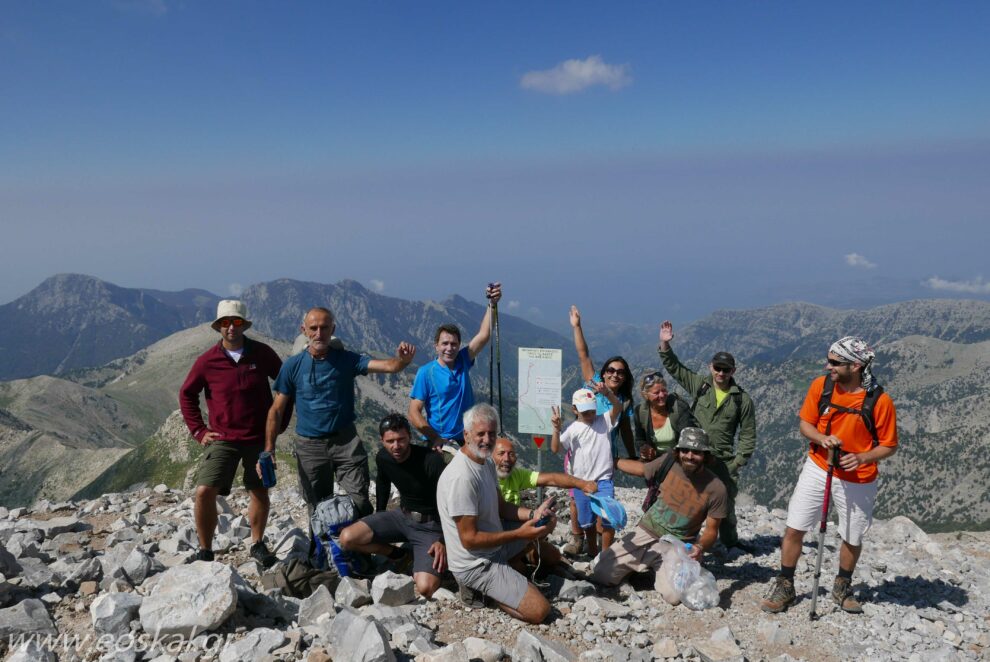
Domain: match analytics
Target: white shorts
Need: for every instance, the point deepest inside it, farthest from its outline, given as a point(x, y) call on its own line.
point(853, 502)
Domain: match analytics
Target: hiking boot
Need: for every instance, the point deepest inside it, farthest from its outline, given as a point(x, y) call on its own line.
point(204, 555)
point(842, 593)
point(780, 595)
point(470, 597)
point(404, 563)
point(261, 554)
point(575, 546)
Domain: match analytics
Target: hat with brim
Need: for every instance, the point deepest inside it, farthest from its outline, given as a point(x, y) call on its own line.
point(231, 308)
point(694, 439)
point(584, 400)
point(609, 509)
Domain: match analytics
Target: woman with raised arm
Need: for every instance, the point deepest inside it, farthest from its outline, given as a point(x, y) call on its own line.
point(615, 374)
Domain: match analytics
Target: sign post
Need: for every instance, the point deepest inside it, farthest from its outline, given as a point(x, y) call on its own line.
point(539, 390)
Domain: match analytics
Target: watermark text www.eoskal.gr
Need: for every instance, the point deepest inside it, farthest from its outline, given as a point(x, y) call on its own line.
point(105, 643)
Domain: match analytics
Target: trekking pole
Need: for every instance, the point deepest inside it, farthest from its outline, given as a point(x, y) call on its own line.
point(498, 363)
point(821, 532)
point(491, 359)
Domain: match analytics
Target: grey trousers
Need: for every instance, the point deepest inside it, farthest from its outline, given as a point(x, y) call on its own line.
point(340, 455)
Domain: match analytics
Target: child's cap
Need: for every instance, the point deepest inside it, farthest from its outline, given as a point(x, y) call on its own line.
point(584, 400)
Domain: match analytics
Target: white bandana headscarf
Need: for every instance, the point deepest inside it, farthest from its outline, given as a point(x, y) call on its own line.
point(855, 350)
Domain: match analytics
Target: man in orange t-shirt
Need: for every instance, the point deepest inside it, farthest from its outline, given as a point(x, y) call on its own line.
point(854, 491)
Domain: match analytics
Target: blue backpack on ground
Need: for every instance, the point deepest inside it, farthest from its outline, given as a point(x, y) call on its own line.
point(330, 517)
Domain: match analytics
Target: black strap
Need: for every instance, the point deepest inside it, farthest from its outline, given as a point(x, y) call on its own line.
point(866, 413)
point(653, 485)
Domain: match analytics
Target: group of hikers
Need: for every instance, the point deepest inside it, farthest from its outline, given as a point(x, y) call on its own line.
point(458, 481)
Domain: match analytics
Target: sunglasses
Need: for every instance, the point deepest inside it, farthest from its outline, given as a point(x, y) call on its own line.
point(722, 368)
point(652, 378)
point(614, 371)
point(836, 364)
point(393, 423)
point(227, 321)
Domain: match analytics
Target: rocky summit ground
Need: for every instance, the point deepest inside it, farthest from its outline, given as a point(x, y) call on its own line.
point(97, 579)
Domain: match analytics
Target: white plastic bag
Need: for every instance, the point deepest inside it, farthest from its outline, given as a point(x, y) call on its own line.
point(679, 569)
point(683, 579)
point(702, 593)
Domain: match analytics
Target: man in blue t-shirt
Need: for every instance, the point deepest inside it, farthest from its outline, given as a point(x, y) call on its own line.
point(442, 390)
point(320, 380)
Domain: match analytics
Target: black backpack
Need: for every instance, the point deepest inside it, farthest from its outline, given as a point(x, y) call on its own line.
point(653, 486)
point(866, 413)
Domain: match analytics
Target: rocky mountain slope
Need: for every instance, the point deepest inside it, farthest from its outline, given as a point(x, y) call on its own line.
point(108, 575)
point(72, 321)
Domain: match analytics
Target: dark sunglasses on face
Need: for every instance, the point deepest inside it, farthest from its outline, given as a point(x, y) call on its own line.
point(721, 368)
point(836, 364)
point(227, 321)
point(614, 371)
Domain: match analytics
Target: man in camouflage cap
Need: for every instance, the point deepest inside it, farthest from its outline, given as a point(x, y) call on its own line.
point(690, 496)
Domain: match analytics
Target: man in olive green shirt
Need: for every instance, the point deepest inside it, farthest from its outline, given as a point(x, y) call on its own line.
point(512, 481)
point(722, 408)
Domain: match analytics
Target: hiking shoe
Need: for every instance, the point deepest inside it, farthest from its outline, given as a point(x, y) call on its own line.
point(575, 546)
point(780, 595)
point(842, 593)
point(261, 554)
point(204, 555)
point(470, 597)
point(403, 564)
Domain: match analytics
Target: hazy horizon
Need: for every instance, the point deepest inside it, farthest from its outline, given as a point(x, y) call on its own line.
point(643, 162)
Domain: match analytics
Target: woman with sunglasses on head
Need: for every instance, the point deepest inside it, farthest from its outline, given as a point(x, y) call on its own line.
point(659, 419)
point(615, 374)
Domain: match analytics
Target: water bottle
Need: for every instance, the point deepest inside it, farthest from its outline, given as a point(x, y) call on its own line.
point(267, 463)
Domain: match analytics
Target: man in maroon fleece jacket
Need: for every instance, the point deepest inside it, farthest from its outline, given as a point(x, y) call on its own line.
point(234, 376)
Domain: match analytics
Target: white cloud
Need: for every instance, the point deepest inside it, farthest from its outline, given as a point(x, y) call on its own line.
point(513, 305)
point(575, 75)
point(235, 289)
point(857, 260)
point(975, 286)
point(377, 285)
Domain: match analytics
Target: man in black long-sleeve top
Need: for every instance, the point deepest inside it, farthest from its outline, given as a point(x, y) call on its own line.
point(414, 471)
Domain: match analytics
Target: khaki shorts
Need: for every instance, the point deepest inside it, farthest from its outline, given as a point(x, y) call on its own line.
point(219, 463)
point(496, 578)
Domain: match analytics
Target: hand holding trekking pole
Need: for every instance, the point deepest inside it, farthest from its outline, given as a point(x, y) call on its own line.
point(493, 292)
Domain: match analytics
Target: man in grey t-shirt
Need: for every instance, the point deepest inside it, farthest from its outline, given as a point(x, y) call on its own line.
point(471, 513)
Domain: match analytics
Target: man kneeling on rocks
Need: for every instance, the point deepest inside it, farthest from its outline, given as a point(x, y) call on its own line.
point(415, 471)
point(690, 495)
point(479, 549)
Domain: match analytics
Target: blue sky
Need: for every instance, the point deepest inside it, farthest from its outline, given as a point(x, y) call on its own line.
point(642, 160)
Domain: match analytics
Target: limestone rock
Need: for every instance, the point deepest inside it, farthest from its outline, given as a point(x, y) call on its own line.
point(32, 651)
point(316, 605)
point(355, 638)
point(112, 613)
point(534, 648)
point(392, 589)
point(482, 649)
point(190, 599)
point(256, 645)
point(26, 617)
point(352, 592)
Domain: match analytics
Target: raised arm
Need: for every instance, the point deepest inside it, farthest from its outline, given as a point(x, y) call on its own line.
point(587, 368)
point(403, 357)
point(689, 380)
point(494, 293)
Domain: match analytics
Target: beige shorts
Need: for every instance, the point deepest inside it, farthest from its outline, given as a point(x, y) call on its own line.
point(496, 579)
point(852, 502)
point(636, 551)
